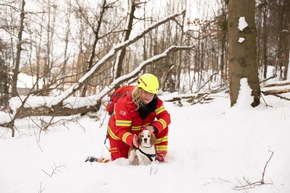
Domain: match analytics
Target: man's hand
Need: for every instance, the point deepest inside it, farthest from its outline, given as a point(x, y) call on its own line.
point(150, 128)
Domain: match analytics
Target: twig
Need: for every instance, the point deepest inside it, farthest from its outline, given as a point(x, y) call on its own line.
point(264, 171)
point(281, 97)
point(153, 170)
point(55, 169)
point(210, 79)
point(264, 100)
point(216, 180)
point(265, 80)
point(40, 188)
point(251, 185)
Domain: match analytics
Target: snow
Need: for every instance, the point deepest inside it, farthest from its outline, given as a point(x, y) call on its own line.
point(242, 23)
point(28, 83)
point(241, 40)
point(212, 148)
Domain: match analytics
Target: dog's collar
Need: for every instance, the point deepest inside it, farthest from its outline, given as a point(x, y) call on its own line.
point(149, 156)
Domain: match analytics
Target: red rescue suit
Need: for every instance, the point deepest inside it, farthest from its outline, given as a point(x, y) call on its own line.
point(127, 121)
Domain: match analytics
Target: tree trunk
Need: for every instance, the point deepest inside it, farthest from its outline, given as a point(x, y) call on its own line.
point(94, 46)
point(4, 88)
point(18, 52)
point(242, 49)
point(283, 49)
point(265, 39)
point(178, 67)
point(121, 54)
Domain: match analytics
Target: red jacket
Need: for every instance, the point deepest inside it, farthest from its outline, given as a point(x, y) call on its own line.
point(126, 119)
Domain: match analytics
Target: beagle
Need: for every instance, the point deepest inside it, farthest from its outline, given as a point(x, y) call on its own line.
point(145, 153)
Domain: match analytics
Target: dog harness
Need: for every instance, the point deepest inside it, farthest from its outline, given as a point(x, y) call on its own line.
point(149, 156)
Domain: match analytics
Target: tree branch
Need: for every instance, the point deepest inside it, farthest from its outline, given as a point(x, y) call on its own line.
point(67, 108)
point(110, 54)
point(251, 185)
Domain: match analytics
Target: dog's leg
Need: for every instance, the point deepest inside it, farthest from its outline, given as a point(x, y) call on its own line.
point(143, 160)
point(140, 159)
point(132, 157)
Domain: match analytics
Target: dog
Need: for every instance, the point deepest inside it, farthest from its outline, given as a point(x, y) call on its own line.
point(145, 154)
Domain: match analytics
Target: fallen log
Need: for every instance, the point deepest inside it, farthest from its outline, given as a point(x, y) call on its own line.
point(56, 110)
point(191, 99)
point(275, 91)
point(278, 84)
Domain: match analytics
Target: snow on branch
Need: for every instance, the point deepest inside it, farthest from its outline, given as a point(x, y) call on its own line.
point(110, 54)
point(138, 69)
point(93, 100)
point(65, 105)
point(44, 106)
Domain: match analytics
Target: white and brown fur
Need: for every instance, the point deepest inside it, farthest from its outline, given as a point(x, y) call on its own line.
point(146, 141)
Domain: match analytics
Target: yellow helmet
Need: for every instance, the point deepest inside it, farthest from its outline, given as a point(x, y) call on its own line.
point(149, 83)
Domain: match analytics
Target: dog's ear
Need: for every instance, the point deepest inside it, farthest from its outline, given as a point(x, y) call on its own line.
point(152, 139)
point(140, 138)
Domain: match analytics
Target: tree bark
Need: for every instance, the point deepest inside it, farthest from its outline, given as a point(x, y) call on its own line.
point(242, 49)
point(4, 87)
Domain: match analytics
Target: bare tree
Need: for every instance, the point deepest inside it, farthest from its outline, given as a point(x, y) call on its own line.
point(242, 49)
point(111, 53)
point(223, 37)
point(49, 59)
point(58, 107)
point(132, 4)
point(4, 87)
point(19, 49)
point(272, 19)
point(96, 32)
point(283, 37)
point(66, 40)
point(263, 34)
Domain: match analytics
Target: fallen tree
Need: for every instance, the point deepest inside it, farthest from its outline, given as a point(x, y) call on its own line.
point(276, 89)
point(92, 103)
point(61, 105)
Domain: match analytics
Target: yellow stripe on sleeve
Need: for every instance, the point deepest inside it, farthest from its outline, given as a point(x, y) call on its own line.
point(110, 132)
point(163, 122)
point(136, 128)
point(160, 110)
point(124, 138)
point(123, 123)
point(160, 140)
point(161, 148)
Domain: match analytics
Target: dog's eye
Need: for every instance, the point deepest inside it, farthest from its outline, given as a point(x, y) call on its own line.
point(149, 136)
point(142, 135)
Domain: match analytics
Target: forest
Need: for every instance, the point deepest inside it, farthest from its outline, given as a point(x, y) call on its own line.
point(85, 49)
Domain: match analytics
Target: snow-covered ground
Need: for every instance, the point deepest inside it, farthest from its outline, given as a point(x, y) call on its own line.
point(212, 148)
